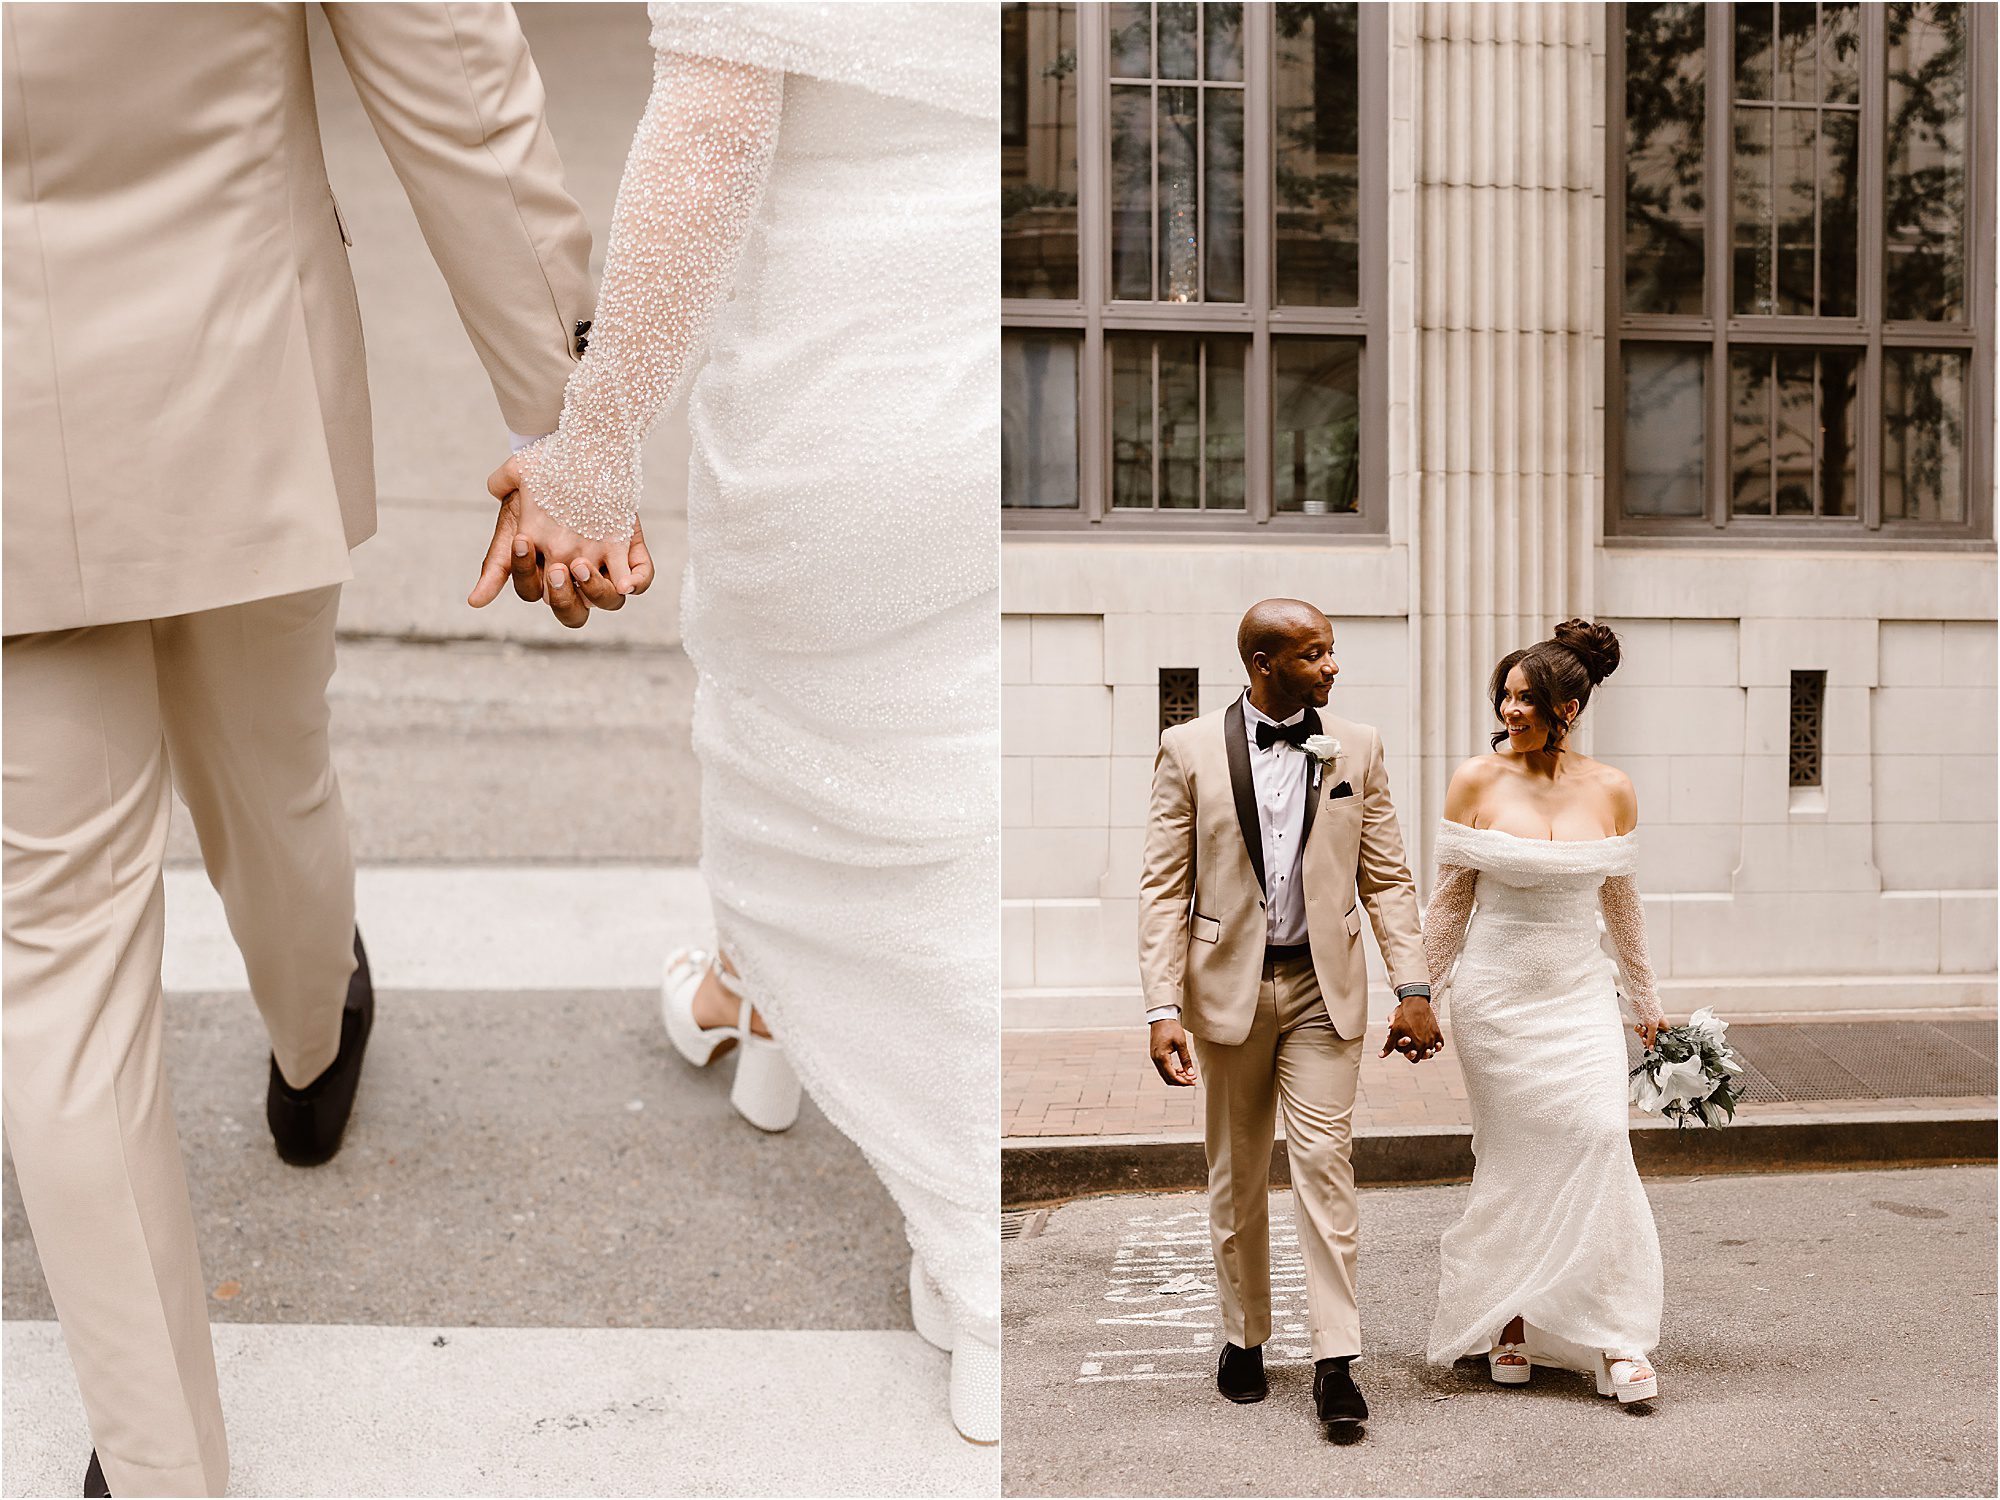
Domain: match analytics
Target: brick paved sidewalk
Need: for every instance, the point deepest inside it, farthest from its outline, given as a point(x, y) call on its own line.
point(1101, 1083)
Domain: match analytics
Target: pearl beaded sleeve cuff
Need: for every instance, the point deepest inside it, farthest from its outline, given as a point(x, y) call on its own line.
point(1445, 921)
point(690, 192)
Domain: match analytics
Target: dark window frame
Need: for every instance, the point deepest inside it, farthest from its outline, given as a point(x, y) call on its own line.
point(1095, 313)
point(1869, 331)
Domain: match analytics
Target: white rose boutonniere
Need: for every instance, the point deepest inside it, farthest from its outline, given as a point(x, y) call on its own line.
point(1323, 747)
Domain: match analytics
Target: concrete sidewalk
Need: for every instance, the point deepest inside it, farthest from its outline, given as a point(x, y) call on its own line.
point(1085, 1112)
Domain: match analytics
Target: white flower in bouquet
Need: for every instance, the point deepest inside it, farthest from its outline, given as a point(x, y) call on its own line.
point(1321, 746)
point(1708, 1024)
point(1685, 1082)
point(1645, 1092)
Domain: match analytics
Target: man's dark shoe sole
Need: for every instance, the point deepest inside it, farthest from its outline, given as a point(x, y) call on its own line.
point(307, 1124)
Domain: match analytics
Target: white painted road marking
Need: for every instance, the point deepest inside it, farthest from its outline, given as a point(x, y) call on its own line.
point(474, 927)
point(328, 1409)
point(1162, 1275)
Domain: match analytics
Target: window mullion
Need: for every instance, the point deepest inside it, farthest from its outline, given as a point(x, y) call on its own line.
point(1093, 159)
point(1720, 166)
point(1872, 189)
point(1259, 256)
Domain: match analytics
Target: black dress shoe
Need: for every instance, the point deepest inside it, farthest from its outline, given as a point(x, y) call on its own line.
point(307, 1123)
point(1239, 1374)
point(94, 1487)
point(1337, 1398)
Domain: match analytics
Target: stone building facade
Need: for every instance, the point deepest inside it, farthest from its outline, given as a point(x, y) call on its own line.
point(1459, 319)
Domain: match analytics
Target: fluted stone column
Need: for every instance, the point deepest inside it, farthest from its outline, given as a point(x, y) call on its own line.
point(1497, 243)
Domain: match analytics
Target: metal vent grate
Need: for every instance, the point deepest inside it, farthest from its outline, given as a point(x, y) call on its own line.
point(1180, 696)
point(1023, 1224)
point(1808, 712)
point(1879, 1060)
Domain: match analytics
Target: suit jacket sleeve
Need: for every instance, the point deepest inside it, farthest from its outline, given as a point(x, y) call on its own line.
point(459, 108)
point(1383, 878)
point(1166, 880)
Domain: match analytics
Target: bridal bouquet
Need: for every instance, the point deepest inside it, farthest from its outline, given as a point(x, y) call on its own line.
point(1690, 1073)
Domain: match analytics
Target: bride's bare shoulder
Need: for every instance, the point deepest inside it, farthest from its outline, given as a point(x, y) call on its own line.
point(1612, 784)
point(1469, 784)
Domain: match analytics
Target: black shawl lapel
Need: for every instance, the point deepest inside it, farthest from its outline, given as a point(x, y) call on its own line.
point(1244, 788)
point(1318, 775)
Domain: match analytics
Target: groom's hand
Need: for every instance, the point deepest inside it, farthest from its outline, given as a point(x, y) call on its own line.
point(1414, 1030)
point(511, 556)
point(1170, 1053)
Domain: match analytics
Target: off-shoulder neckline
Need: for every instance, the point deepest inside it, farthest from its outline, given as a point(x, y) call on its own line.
point(1522, 838)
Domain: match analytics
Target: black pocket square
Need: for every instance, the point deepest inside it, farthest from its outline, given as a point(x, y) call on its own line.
point(1343, 790)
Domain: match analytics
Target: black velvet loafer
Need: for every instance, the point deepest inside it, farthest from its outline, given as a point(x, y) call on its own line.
point(1239, 1374)
point(307, 1123)
point(94, 1487)
point(1337, 1398)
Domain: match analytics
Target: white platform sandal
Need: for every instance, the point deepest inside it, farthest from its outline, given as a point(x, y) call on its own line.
point(975, 1364)
point(1500, 1359)
point(766, 1090)
point(1622, 1378)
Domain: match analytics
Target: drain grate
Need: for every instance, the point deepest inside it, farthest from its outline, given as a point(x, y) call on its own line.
point(1023, 1224)
point(1863, 1060)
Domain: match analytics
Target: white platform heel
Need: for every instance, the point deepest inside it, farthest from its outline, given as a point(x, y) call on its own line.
point(1621, 1378)
point(975, 1364)
point(1504, 1370)
point(766, 1090)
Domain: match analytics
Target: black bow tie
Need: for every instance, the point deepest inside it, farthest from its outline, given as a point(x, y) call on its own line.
point(1292, 734)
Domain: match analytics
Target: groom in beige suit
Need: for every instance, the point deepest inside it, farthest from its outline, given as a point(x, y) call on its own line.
point(1271, 829)
point(188, 460)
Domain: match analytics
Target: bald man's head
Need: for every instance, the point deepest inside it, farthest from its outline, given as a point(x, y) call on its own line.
point(1269, 625)
point(1287, 648)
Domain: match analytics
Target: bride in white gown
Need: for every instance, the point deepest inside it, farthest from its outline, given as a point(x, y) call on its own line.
point(804, 242)
point(1556, 1259)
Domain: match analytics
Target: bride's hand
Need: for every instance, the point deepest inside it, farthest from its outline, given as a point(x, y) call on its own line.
point(602, 568)
point(1648, 1031)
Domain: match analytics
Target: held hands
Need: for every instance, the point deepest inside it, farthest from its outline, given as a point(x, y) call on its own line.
point(1171, 1055)
point(547, 560)
point(1413, 1030)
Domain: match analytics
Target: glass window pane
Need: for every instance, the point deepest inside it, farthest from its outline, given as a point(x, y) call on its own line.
point(1316, 156)
point(1038, 254)
point(1925, 184)
point(1840, 53)
point(1179, 26)
point(1180, 240)
point(1180, 422)
point(1222, 173)
point(1038, 440)
point(1839, 210)
point(1839, 435)
point(1316, 426)
point(1793, 449)
point(1131, 361)
point(1222, 44)
point(1798, 52)
point(1132, 193)
point(1923, 435)
point(1794, 160)
point(1665, 107)
point(1224, 439)
point(1750, 432)
point(1665, 425)
point(1753, 50)
point(1754, 250)
point(1131, 41)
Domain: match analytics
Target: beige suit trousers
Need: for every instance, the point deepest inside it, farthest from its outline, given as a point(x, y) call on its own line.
point(1292, 1060)
point(229, 707)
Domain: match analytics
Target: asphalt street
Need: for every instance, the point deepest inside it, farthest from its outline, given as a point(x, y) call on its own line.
point(1824, 1334)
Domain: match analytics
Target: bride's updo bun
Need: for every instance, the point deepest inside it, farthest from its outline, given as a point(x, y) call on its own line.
point(1594, 645)
point(1559, 671)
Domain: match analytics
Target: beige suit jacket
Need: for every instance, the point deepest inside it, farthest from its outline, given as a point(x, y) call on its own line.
point(186, 395)
point(1202, 918)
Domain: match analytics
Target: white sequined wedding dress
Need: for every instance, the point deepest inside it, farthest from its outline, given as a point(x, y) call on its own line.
point(805, 242)
point(1557, 1228)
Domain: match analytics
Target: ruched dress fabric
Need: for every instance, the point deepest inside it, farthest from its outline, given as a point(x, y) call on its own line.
point(840, 599)
point(1557, 1227)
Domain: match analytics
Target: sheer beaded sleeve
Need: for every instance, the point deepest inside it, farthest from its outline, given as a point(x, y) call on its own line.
point(1445, 920)
point(690, 191)
point(1625, 923)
